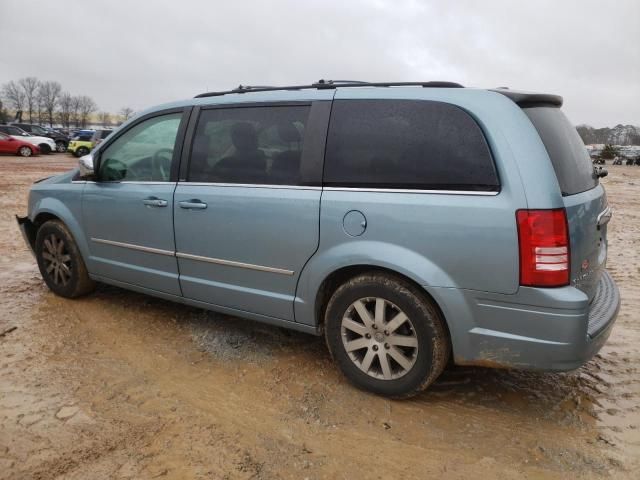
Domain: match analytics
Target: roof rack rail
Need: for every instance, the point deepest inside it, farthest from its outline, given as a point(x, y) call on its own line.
point(327, 84)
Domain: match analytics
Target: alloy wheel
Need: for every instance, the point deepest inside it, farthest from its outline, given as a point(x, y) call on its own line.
point(379, 338)
point(25, 151)
point(57, 260)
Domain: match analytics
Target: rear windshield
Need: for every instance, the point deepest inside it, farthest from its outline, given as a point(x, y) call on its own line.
point(565, 148)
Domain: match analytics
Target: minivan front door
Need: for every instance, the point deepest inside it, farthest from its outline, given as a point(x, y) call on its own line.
point(247, 213)
point(128, 211)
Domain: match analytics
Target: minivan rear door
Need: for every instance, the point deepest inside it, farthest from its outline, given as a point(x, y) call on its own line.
point(247, 207)
point(584, 199)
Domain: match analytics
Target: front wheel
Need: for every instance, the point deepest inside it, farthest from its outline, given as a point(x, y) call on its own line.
point(61, 147)
point(60, 261)
point(386, 335)
point(45, 148)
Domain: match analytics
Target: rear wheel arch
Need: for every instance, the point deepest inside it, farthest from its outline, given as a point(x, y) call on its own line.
point(335, 279)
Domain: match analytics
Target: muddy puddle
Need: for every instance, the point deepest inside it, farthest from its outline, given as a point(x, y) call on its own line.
point(121, 385)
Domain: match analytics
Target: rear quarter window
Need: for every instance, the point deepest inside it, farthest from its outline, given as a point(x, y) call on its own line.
point(407, 144)
point(566, 149)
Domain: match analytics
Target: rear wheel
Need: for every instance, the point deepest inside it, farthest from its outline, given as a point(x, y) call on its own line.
point(82, 151)
point(25, 151)
point(386, 335)
point(45, 148)
point(60, 261)
point(61, 147)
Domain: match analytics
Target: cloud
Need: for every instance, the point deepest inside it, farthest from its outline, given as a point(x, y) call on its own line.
point(140, 53)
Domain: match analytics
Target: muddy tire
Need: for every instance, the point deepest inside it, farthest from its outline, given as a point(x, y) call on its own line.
point(60, 262)
point(386, 335)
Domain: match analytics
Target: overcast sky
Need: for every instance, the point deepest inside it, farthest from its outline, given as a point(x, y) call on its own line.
point(139, 53)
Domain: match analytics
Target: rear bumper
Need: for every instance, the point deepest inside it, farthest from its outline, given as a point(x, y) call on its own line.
point(536, 329)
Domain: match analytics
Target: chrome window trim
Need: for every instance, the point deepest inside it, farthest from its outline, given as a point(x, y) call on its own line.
point(250, 185)
point(346, 189)
point(231, 263)
point(132, 246)
point(410, 190)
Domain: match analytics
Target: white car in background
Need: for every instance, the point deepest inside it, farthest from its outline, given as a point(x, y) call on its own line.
point(47, 145)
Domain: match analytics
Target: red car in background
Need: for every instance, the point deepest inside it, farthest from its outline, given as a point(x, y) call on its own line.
point(17, 147)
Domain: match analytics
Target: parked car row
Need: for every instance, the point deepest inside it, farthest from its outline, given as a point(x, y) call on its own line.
point(45, 144)
point(85, 140)
point(60, 139)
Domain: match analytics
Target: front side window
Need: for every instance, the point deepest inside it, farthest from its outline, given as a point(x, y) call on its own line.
point(143, 153)
point(253, 145)
point(407, 144)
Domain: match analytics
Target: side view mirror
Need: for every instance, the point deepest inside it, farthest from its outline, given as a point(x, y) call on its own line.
point(86, 167)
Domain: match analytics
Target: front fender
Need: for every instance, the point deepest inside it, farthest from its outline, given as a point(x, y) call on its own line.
point(71, 217)
point(393, 257)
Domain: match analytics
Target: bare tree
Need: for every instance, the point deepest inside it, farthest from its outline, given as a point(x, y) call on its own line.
point(86, 107)
point(12, 92)
point(29, 87)
point(65, 107)
point(105, 118)
point(75, 110)
point(126, 113)
point(50, 94)
point(3, 113)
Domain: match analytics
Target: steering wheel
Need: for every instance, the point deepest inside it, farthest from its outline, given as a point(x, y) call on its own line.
point(161, 163)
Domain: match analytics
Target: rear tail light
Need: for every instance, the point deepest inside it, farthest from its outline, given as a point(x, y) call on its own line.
point(543, 237)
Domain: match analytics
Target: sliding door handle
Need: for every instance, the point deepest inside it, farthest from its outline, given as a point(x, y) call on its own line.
point(193, 204)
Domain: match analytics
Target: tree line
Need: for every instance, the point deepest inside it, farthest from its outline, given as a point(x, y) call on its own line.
point(46, 102)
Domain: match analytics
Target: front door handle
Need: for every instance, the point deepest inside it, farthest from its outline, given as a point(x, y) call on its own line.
point(193, 204)
point(155, 202)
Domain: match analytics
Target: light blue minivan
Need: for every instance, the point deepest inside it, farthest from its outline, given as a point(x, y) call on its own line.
point(413, 224)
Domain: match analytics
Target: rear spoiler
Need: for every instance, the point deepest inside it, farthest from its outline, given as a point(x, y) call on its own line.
point(530, 99)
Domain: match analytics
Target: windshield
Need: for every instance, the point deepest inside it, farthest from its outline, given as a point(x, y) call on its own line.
point(566, 149)
point(39, 130)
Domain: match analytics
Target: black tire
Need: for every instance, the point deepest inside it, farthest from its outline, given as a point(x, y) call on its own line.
point(45, 148)
point(61, 146)
point(426, 325)
point(81, 151)
point(70, 280)
point(25, 151)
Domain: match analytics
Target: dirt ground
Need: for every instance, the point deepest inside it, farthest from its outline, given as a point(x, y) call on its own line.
point(121, 385)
